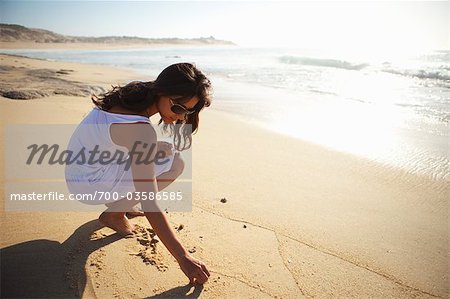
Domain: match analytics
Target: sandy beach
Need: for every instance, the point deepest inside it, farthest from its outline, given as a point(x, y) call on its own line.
point(300, 220)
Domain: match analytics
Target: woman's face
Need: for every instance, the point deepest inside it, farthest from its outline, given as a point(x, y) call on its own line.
point(164, 107)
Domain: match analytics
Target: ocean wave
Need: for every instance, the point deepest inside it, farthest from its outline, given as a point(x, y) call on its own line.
point(438, 56)
point(421, 74)
point(322, 92)
point(341, 64)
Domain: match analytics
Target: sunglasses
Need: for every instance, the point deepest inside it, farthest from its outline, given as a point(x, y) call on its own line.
point(180, 109)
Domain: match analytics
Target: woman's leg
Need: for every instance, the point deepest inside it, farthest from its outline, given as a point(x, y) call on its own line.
point(166, 178)
point(163, 180)
point(114, 217)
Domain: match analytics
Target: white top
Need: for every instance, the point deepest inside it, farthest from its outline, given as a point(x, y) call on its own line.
point(93, 133)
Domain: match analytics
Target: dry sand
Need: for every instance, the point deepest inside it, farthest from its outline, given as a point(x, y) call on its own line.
point(299, 221)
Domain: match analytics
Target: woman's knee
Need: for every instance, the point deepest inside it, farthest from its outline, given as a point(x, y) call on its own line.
point(177, 165)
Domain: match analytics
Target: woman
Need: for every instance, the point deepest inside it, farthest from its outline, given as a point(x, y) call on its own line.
point(120, 122)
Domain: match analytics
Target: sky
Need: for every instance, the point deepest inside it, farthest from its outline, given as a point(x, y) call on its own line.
point(341, 25)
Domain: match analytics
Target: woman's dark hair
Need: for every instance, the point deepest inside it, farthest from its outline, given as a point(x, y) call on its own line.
point(183, 80)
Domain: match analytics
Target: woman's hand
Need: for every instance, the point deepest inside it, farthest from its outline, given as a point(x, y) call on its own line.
point(194, 269)
point(165, 147)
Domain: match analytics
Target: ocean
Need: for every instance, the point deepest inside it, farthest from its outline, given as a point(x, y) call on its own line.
point(393, 109)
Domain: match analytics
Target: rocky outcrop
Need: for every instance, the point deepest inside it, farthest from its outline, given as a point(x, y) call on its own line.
point(27, 84)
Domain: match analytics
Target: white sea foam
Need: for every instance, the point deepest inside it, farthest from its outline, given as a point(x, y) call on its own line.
point(322, 62)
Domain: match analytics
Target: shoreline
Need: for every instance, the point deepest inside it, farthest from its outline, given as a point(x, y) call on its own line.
point(99, 46)
point(408, 152)
point(322, 223)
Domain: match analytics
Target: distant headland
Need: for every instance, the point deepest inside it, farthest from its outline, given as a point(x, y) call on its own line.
point(12, 34)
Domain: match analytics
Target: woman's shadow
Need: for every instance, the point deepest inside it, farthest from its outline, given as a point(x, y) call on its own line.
point(45, 268)
point(49, 269)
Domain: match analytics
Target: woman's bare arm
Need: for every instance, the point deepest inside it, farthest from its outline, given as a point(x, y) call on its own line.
point(142, 137)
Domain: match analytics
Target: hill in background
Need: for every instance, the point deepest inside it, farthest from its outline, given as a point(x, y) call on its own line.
point(18, 33)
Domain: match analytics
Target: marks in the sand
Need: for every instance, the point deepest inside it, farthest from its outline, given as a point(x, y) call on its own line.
point(79, 258)
point(128, 268)
point(144, 244)
point(148, 252)
point(21, 83)
point(224, 281)
point(221, 286)
point(286, 263)
point(104, 260)
point(98, 235)
point(85, 260)
point(380, 281)
point(97, 265)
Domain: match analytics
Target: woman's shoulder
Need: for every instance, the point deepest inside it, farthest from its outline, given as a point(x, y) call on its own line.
point(127, 134)
point(122, 116)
